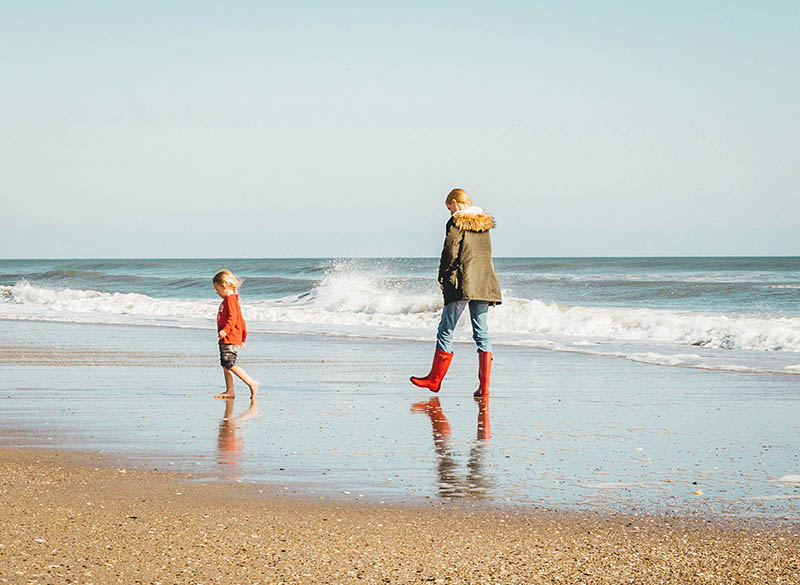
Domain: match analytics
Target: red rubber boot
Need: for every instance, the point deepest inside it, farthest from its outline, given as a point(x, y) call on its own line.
point(484, 373)
point(433, 381)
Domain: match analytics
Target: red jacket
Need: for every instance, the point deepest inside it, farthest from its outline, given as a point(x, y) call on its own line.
point(230, 320)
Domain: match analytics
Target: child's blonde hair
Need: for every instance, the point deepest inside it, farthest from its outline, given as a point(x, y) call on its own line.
point(227, 280)
point(459, 196)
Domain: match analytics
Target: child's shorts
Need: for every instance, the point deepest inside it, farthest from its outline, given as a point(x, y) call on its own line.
point(227, 355)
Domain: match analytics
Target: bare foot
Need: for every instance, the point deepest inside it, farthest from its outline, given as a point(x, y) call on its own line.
point(253, 389)
point(225, 396)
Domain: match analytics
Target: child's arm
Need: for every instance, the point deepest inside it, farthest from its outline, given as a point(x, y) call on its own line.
point(244, 328)
point(227, 316)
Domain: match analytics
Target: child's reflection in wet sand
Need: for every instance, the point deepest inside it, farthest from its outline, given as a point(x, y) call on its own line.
point(229, 445)
point(477, 483)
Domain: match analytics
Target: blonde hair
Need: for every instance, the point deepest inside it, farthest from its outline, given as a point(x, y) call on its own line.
point(459, 196)
point(227, 280)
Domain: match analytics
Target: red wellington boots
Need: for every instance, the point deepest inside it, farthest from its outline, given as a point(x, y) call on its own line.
point(484, 373)
point(433, 381)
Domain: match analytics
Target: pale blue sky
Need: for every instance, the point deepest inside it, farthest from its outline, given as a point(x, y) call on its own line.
point(336, 129)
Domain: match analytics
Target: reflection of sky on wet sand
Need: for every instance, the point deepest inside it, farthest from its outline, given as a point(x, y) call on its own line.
point(337, 417)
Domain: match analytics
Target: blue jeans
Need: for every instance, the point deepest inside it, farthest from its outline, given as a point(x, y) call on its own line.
point(478, 310)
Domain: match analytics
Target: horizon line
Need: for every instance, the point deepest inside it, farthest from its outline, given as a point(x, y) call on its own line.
point(574, 257)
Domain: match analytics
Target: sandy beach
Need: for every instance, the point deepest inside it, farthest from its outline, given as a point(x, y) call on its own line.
point(119, 467)
point(78, 518)
point(335, 417)
point(298, 293)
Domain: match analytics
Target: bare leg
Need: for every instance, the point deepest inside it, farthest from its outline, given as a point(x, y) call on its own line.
point(242, 375)
point(228, 385)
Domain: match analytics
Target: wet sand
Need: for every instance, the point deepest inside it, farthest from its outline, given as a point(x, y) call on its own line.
point(588, 470)
point(338, 417)
point(70, 517)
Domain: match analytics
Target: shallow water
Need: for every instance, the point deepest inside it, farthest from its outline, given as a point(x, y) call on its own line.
point(337, 417)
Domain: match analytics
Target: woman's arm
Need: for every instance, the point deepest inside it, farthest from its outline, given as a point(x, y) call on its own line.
point(450, 251)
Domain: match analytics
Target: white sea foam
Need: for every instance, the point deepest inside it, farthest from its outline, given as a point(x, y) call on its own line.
point(792, 480)
point(354, 299)
point(688, 328)
point(365, 302)
point(27, 301)
point(651, 357)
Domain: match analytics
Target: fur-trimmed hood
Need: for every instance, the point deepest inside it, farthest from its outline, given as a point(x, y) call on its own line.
point(473, 219)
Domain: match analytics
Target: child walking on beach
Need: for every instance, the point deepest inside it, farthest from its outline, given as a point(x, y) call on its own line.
point(231, 332)
point(467, 278)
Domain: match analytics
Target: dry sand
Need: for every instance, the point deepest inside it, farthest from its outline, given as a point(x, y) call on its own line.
point(73, 518)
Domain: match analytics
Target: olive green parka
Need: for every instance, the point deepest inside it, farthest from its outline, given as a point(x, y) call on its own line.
point(466, 270)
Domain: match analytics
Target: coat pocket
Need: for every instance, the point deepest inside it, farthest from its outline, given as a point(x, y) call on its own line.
point(451, 287)
point(453, 279)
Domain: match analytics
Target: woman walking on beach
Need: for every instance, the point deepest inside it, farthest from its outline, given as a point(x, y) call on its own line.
point(467, 278)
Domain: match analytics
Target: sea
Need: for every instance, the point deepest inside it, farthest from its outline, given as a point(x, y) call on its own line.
point(726, 313)
point(665, 385)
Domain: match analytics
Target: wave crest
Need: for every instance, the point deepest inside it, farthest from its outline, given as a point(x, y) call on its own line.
point(348, 297)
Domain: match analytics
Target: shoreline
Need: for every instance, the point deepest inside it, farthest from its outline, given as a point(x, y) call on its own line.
point(299, 492)
point(388, 334)
point(567, 431)
point(75, 516)
point(312, 492)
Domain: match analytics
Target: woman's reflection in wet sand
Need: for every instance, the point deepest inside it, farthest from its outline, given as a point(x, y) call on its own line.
point(477, 483)
point(229, 445)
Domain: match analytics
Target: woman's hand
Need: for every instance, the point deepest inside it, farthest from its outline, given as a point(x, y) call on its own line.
point(221, 334)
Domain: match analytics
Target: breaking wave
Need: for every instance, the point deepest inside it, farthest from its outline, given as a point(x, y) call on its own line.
point(361, 301)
